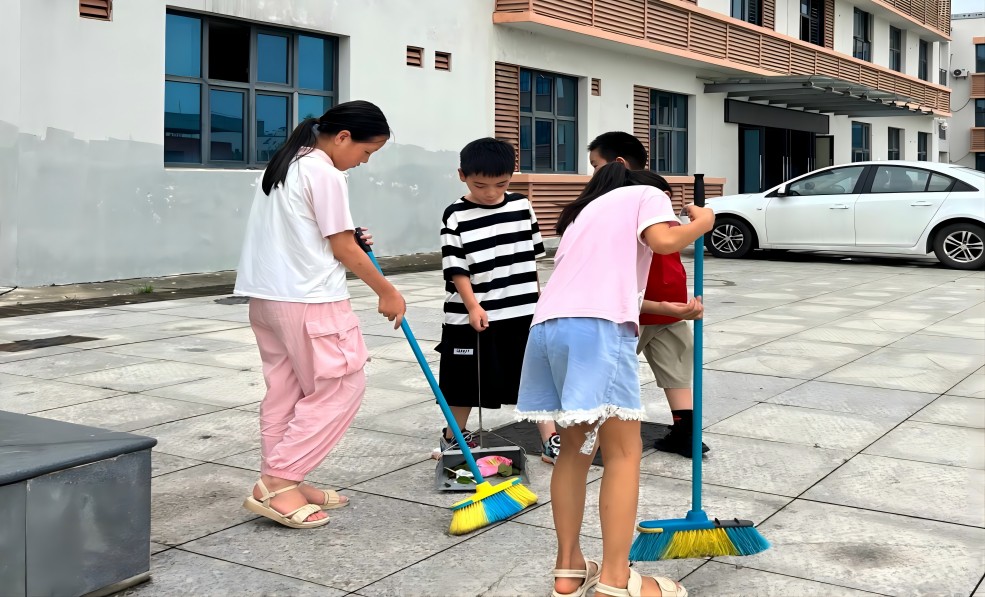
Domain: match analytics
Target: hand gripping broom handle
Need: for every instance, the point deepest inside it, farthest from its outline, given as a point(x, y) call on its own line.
point(699, 278)
point(449, 417)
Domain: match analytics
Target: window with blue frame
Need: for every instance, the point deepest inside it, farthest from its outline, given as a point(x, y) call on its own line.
point(668, 132)
point(548, 122)
point(233, 91)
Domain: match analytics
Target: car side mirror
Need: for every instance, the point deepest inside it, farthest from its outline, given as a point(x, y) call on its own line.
point(782, 191)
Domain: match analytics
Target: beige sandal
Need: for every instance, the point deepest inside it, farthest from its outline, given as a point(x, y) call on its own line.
point(668, 588)
point(590, 579)
point(332, 500)
point(294, 519)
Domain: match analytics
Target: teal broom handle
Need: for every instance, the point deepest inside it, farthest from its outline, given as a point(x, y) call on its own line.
point(445, 410)
point(699, 288)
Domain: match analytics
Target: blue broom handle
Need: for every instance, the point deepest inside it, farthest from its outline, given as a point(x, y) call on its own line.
point(449, 417)
point(699, 289)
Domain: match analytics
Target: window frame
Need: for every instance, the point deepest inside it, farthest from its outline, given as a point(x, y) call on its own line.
point(867, 148)
point(979, 112)
point(862, 45)
point(817, 16)
point(536, 115)
point(923, 60)
point(980, 58)
point(654, 130)
point(251, 88)
point(895, 53)
point(897, 134)
point(750, 11)
point(923, 147)
point(980, 161)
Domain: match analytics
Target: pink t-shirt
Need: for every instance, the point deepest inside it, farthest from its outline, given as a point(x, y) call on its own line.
point(602, 262)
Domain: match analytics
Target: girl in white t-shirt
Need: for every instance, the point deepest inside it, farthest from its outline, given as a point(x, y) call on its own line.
point(580, 368)
point(299, 242)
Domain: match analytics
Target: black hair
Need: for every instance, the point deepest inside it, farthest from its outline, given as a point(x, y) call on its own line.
point(364, 121)
point(609, 177)
point(617, 144)
point(487, 157)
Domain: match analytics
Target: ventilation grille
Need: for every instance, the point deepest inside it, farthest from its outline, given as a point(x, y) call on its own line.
point(442, 60)
point(96, 9)
point(596, 86)
point(507, 106)
point(415, 57)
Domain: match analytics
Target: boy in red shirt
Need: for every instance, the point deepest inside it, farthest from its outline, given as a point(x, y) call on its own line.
point(665, 338)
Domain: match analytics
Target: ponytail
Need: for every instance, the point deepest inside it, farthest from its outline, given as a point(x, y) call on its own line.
point(612, 176)
point(364, 121)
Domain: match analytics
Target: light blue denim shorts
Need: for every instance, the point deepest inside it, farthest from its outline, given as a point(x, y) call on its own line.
point(580, 370)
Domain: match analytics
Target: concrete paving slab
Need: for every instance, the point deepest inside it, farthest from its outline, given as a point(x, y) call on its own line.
point(923, 490)
point(940, 444)
point(870, 551)
point(178, 572)
point(806, 426)
point(753, 464)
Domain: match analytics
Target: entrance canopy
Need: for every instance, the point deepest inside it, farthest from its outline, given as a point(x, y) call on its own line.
point(819, 93)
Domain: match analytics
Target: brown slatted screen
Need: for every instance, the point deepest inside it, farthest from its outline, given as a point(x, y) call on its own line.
point(978, 85)
point(641, 116)
point(621, 16)
point(96, 9)
point(978, 139)
point(507, 106)
point(576, 11)
point(769, 14)
point(667, 24)
point(829, 24)
point(415, 56)
point(442, 60)
point(512, 5)
point(596, 86)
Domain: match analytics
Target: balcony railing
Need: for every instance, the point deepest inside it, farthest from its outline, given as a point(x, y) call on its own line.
point(683, 29)
point(932, 13)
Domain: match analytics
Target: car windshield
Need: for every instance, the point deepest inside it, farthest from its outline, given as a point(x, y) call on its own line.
point(837, 181)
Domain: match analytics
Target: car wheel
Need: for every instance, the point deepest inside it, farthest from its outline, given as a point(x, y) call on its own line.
point(961, 246)
point(730, 239)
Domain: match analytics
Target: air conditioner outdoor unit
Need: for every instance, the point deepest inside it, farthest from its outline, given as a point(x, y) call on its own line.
point(960, 73)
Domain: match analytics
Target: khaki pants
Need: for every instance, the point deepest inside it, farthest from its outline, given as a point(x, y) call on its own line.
point(669, 348)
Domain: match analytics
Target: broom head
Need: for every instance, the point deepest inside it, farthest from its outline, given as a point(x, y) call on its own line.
point(695, 537)
point(489, 504)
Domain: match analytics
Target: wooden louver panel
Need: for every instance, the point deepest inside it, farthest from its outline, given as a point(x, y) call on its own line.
point(415, 56)
point(96, 9)
point(829, 24)
point(621, 16)
point(442, 61)
point(596, 86)
point(641, 116)
point(978, 85)
point(576, 11)
point(769, 14)
point(507, 106)
point(978, 139)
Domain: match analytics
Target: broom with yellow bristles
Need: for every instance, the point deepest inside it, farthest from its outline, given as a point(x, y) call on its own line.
point(491, 503)
point(696, 536)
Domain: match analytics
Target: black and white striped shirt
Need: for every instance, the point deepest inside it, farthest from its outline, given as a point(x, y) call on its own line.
point(497, 247)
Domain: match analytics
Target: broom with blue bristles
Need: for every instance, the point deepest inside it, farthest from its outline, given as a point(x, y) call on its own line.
point(696, 536)
point(490, 503)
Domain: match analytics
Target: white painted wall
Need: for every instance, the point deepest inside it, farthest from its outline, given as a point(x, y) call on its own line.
point(962, 107)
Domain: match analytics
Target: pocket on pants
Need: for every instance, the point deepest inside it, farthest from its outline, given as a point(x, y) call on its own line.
point(337, 345)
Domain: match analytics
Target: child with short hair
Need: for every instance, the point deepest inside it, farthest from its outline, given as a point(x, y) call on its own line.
point(665, 338)
point(490, 242)
point(581, 371)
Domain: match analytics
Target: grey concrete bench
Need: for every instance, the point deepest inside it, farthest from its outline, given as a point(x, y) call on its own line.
point(74, 508)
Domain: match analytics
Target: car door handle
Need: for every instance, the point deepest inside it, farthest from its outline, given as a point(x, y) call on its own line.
point(921, 204)
point(839, 206)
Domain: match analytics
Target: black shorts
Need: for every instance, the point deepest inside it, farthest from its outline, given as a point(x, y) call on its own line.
point(500, 355)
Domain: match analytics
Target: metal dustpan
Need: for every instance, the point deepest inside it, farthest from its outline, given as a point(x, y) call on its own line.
point(452, 460)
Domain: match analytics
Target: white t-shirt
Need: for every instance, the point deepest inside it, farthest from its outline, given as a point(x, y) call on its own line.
point(286, 255)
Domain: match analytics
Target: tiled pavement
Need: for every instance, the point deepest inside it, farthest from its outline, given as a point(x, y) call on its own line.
point(845, 409)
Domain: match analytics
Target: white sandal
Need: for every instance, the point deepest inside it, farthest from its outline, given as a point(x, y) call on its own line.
point(668, 588)
point(590, 580)
point(295, 519)
point(332, 500)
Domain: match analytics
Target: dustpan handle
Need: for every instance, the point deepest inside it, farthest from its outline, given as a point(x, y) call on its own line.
point(699, 289)
point(445, 410)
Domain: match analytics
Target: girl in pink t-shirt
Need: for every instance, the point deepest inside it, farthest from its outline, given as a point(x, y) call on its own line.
point(299, 242)
point(581, 371)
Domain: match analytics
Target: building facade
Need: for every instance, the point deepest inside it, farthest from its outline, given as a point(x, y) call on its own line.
point(133, 139)
point(966, 130)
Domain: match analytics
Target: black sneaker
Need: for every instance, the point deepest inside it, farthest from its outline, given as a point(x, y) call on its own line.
point(451, 444)
point(551, 448)
point(678, 443)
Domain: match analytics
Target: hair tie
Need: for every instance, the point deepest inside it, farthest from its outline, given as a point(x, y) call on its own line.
point(314, 128)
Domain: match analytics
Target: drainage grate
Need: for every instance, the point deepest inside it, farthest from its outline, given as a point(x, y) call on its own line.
point(22, 345)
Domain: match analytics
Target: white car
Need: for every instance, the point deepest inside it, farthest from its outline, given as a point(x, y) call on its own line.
point(886, 208)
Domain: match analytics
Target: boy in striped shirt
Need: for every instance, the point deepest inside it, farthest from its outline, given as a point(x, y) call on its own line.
point(490, 243)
